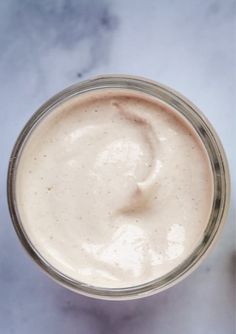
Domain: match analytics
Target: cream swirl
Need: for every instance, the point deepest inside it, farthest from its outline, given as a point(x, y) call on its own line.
point(114, 188)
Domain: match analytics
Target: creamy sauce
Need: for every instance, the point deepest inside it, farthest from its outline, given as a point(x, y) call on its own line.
point(114, 188)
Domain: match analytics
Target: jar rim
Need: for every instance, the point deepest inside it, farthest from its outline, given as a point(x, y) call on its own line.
point(219, 165)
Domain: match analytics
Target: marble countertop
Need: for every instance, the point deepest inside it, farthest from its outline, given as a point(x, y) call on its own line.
point(47, 45)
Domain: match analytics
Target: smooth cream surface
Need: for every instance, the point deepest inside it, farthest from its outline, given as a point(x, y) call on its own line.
point(114, 188)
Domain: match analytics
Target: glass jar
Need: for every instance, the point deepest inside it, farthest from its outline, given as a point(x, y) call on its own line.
point(219, 170)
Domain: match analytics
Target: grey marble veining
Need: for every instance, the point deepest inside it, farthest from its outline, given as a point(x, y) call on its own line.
point(47, 45)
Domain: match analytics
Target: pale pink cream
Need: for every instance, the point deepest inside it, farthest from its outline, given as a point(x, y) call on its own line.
point(114, 188)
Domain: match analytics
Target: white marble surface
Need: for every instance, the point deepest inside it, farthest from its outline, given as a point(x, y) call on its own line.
point(47, 45)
